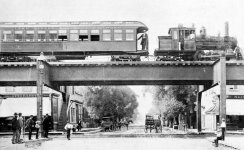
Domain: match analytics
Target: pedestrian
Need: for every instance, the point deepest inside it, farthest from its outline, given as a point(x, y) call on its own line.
point(20, 120)
point(223, 128)
point(79, 125)
point(218, 137)
point(68, 127)
point(15, 129)
point(37, 126)
point(29, 125)
point(46, 125)
point(144, 40)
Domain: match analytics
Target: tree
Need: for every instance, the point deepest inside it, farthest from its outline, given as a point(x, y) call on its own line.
point(119, 102)
point(171, 101)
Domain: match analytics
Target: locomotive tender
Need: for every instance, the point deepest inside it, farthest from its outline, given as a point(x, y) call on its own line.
point(71, 40)
point(183, 44)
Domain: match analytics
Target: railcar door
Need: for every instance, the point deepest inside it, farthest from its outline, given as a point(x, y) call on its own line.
point(175, 39)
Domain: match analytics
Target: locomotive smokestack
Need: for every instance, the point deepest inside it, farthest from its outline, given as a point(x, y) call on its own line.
point(226, 28)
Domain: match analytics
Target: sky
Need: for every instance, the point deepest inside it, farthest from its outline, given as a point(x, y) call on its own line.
point(158, 15)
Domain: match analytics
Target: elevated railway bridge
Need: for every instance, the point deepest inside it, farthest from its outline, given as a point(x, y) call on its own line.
point(55, 74)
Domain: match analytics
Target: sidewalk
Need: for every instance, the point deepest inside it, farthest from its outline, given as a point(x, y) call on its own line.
point(82, 131)
point(233, 139)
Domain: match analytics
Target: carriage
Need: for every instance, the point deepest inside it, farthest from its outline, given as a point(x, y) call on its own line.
point(153, 122)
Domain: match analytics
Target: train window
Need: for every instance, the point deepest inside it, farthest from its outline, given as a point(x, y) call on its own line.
point(174, 35)
point(107, 35)
point(18, 36)
point(129, 35)
point(53, 36)
point(73, 35)
point(187, 34)
point(7, 36)
point(95, 35)
point(41, 36)
point(83, 36)
point(62, 36)
point(118, 35)
point(29, 36)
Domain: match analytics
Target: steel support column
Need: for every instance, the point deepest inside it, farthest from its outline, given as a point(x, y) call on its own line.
point(222, 83)
point(199, 113)
point(39, 84)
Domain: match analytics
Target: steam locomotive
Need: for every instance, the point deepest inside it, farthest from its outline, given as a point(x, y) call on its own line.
point(183, 44)
point(71, 40)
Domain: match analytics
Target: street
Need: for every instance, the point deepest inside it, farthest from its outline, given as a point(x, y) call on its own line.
point(128, 140)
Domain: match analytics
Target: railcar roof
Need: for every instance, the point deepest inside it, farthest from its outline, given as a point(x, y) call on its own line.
point(73, 23)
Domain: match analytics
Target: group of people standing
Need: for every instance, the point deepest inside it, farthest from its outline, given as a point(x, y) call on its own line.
point(17, 127)
point(30, 125)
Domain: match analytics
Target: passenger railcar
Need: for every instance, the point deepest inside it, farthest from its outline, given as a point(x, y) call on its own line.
point(71, 40)
point(183, 44)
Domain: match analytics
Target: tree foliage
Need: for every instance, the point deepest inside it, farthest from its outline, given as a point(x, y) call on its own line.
point(174, 100)
point(118, 102)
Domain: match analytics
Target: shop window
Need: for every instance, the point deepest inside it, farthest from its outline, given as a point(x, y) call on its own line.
point(18, 36)
point(7, 36)
point(95, 35)
point(106, 35)
point(41, 36)
point(118, 35)
point(129, 35)
point(83, 36)
point(73, 35)
point(29, 36)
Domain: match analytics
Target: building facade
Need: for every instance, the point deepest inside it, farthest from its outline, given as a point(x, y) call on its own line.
point(234, 107)
point(55, 103)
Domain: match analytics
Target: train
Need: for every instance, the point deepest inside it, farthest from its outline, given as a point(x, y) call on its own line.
point(22, 41)
point(71, 40)
point(182, 44)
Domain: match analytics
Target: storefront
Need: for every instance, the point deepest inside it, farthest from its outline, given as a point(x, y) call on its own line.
point(234, 108)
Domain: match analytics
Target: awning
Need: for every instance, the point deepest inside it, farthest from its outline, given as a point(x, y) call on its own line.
point(235, 107)
point(26, 106)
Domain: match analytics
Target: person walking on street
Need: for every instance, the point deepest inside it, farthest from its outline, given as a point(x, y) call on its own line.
point(20, 120)
point(68, 127)
point(37, 126)
point(223, 128)
point(15, 128)
point(46, 125)
point(29, 125)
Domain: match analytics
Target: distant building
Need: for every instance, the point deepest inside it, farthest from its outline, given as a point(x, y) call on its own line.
point(234, 107)
point(55, 103)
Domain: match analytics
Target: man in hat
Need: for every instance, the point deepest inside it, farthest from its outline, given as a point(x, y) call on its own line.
point(46, 125)
point(223, 128)
point(20, 120)
point(29, 125)
point(144, 40)
point(15, 128)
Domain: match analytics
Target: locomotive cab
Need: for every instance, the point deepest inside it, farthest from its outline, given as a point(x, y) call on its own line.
point(183, 39)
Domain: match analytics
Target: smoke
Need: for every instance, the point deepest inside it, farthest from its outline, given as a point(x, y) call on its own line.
point(145, 101)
